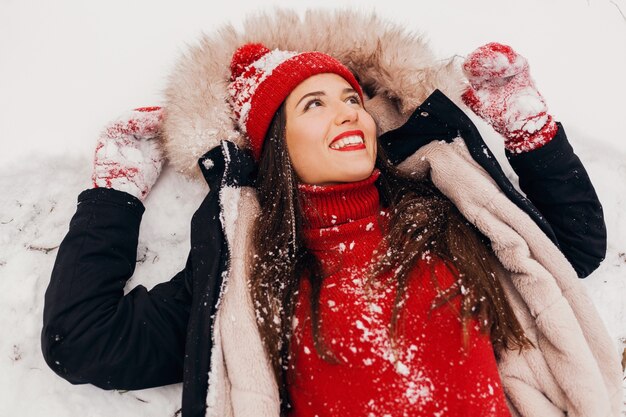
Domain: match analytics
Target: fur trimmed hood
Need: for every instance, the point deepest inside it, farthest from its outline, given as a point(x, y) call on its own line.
point(390, 63)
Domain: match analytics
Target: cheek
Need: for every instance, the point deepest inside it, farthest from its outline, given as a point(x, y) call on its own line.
point(370, 123)
point(370, 126)
point(304, 150)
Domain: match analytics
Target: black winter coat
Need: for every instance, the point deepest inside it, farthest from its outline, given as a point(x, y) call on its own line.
point(93, 333)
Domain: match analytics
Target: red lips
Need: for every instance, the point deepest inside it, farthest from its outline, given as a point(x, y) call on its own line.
point(342, 135)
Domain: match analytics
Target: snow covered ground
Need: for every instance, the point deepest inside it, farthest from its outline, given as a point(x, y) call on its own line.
point(67, 67)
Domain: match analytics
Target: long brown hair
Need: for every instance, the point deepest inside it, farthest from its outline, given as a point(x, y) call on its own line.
point(422, 220)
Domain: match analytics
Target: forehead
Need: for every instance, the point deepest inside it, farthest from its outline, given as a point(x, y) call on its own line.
point(327, 83)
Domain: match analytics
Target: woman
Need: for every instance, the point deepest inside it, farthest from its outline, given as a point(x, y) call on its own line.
point(359, 362)
point(267, 338)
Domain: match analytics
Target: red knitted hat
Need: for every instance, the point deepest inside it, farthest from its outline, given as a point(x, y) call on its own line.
point(262, 79)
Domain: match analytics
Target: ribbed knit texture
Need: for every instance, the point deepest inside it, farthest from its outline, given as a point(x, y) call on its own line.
point(262, 79)
point(328, 206)
point(428, 373)
point(503, 93)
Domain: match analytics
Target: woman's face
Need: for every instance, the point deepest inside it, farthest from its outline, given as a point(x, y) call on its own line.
point(330, 137)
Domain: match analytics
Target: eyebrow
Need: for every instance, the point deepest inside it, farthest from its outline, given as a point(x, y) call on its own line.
point(322, 93)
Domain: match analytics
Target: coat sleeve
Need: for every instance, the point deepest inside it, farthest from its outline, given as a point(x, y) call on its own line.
point(556, 182)
point(92, 332)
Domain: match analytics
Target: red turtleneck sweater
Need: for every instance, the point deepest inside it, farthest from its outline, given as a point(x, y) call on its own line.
point(427, 374)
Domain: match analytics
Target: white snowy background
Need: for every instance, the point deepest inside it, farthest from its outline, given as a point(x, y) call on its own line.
point(68, 67)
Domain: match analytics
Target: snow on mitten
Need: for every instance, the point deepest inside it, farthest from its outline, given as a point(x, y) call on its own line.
point(128, 157)
point(503, 94)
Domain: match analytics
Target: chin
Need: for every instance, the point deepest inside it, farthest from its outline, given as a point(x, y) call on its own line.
point(336, 173)
point(358, 174)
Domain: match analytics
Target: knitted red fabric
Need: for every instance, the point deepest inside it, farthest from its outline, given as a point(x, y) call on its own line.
point(502, 92)
point(127, 156)
point(262, 79)
point(428, 374)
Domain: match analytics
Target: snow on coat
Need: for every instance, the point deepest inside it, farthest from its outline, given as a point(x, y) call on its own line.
point(574, 369)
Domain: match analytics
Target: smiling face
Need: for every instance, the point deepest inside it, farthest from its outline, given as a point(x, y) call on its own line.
point(330, 137)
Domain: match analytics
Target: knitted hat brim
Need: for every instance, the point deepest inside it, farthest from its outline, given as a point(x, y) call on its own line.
point(270, 94)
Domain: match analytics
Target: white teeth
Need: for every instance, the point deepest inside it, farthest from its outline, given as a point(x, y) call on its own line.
point(349, 140)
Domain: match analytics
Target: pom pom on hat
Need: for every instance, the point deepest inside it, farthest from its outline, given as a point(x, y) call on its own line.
point(261, 79)
point(244, 57)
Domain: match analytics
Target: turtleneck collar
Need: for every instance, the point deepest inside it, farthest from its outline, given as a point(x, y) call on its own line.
point(329, 206)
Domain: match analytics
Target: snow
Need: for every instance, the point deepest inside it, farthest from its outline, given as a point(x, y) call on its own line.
point(245, 87)
point(208, 163)
point(69, 67)
point(402, 369)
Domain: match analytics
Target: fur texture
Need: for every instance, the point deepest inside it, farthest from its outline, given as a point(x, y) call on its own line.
point(235, 388)
point(390, 63)
point(574, 369)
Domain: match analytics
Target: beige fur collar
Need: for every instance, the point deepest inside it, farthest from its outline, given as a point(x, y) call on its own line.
point(388, 60)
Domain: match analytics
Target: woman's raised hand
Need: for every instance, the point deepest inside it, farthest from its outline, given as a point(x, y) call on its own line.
point(502, 93)
point(128, 156)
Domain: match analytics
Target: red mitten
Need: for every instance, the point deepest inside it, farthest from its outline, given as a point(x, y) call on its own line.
point(128, 157)
point(503, 94)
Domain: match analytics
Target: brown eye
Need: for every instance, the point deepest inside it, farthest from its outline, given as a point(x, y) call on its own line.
point(313, 103)
point(354, 99)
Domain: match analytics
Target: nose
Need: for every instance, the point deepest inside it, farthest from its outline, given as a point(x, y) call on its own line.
point(346, 113)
